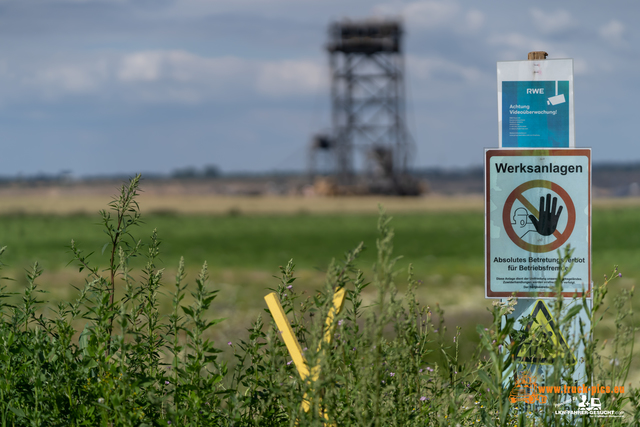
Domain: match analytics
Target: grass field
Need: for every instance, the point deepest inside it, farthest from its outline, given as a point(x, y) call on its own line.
point(438, 244)
point(244, 247)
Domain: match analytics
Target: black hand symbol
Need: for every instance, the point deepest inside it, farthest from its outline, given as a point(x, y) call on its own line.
point(548, 220)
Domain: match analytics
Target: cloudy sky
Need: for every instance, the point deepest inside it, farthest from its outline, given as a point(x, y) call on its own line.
point(120, 86)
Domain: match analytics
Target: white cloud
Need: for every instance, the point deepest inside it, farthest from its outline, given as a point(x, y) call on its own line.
point(271, 78)
point(516, 46)
point(431, 14)
point(141, 66)
point(427, 14)
point(291, 77)
point(68, 78)
point(520, 42)
point(474, 20)
point(425, 68)
point(179, 67)
point(166, 76)
point(552, 22)
point(613, 32)
point(198, 8)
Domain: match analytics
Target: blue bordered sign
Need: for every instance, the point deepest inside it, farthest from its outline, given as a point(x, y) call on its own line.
point(535, 103)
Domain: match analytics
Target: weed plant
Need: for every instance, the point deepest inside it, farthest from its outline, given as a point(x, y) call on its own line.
point(388, 364)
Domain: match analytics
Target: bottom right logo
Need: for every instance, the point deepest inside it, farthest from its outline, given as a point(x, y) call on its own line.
point(594, 405)
point(591, 407)
point(576, 397)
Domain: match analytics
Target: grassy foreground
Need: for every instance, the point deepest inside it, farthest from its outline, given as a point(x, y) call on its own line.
point(110, 356)
point(243, 253)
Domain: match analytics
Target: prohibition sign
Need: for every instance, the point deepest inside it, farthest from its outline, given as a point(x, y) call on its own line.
point(516, 194)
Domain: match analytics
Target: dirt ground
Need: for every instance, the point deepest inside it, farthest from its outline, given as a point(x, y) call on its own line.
point(197, 198)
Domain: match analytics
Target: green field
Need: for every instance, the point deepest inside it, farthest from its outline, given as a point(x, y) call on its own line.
point(243, 253)
point(445, 244)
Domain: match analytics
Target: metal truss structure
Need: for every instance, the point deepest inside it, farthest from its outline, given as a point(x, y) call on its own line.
point(368, 106)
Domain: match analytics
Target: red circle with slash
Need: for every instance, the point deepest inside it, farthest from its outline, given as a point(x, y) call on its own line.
point(516, 194)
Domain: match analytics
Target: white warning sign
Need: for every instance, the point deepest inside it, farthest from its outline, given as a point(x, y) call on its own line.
point(538, 201)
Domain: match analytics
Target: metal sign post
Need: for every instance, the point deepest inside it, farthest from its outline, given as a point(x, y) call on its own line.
point(538, 202)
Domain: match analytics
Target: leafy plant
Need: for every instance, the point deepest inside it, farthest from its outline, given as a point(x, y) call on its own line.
point(111, 358)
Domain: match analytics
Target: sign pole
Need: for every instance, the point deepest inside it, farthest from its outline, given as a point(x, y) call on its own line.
point(537, 204)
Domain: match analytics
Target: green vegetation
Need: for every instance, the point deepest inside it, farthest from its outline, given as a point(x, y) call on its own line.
point(445, 244)
point(390, 362)
point(252, 242)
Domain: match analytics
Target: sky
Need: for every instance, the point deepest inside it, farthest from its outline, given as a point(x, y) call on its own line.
point(95, 87)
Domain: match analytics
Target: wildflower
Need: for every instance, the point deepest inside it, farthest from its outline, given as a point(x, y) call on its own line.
point(423, 398)
point(290, 286)
point(289, 362)
point(229, 343)
point(420, 371)
point(101, 400)
point(391, 374)
point(429, 369)
point(340, 322)
point(619, 274)
point(284, 295)
point(304, 349)
point(167, 383)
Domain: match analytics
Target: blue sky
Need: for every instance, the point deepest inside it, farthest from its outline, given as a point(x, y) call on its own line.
point(121, 86)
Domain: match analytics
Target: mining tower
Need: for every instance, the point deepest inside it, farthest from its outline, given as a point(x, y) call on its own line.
point(369, 147)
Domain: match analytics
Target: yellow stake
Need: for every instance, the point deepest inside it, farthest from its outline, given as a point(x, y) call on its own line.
point(288, 336)
point(290, 340)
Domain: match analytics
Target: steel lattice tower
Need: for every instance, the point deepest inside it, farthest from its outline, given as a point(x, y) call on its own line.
point(368, 103)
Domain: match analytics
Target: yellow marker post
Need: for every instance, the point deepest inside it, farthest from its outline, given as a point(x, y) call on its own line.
point(336, 308)
point(290, 340)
